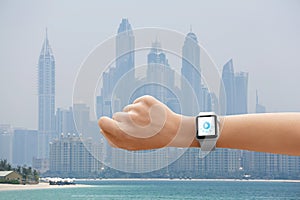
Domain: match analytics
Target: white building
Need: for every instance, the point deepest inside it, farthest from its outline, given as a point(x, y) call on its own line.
point(74, 155)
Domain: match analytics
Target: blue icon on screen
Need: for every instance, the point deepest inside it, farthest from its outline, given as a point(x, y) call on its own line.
point(206, 125)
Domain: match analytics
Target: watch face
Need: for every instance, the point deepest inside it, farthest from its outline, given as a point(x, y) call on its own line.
point(206, 126)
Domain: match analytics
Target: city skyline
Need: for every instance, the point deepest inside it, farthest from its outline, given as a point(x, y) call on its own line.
point(263, 38)
point(157, 64)
point(222, 162)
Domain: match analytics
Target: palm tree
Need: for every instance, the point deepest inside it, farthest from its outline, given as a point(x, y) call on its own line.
point(25, 174)
point(36, 176)
point(5, 166)
point(18, 169)
point(29, 174)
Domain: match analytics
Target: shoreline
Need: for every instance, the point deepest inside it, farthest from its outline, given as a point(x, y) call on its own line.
point(39, 186)
point(43, 185)
point(166, 179)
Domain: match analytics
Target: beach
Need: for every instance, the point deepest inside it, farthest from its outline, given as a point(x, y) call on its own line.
point(8, 187)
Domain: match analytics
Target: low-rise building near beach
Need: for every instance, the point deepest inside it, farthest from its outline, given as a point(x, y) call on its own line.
point(10, 176)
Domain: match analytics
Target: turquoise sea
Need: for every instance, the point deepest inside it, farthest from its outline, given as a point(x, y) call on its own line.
point(159, 189)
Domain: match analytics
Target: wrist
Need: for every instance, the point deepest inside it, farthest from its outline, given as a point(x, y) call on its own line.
point(222, 138)
point(185, 134)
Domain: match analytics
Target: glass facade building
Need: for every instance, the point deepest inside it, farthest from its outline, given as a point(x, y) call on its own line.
point(46, 97)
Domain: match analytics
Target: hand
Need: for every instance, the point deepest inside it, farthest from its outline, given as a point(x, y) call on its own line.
point(146, 124)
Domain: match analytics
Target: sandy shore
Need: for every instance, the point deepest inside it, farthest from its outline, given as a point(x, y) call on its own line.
point(8, 187)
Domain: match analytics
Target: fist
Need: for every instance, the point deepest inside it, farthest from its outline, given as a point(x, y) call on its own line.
point(145, 124)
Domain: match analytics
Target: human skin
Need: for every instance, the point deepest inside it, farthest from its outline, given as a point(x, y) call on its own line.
point(149, 124)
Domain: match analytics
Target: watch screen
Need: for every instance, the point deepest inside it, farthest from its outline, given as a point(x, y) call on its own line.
point(206, 126)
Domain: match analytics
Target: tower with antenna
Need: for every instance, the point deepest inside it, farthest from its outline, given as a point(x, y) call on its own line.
point(46, 97)
point(259, 108)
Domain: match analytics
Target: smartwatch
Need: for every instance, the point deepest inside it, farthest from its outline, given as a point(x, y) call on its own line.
point(207, 130)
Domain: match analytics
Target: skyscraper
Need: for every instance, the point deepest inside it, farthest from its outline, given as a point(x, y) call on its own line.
point(229, 86)
point(6, 142)
point(24, 146)
point(159, 71)
point(234, 100)
point(46, 97)
point(191, 69)
point(241, 93)
point(236, 90)
point(125, 44)
point(65, 121)
point(81, 113)
point(259, 108)
point(124, 49)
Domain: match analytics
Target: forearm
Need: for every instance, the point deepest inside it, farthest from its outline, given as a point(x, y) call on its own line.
point(274, 133)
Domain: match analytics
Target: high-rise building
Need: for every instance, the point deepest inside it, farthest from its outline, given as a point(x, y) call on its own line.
point(235, 101)
point(159, 71)
point(241, 93)
point(209, 101)
point(46, 97)
point(71, 155)
point(191, 71)
point(229, 87)
point(6, 142)
point(124, 67)
point(81, 113)
point(259, 108)
point(65, 121)
point(125, 44)
point(24, 146)
point(124, 49)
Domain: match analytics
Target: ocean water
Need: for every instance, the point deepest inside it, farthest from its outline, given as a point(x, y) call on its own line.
point(123, 190)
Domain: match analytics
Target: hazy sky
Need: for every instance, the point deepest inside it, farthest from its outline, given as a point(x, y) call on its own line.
point(262, 37)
